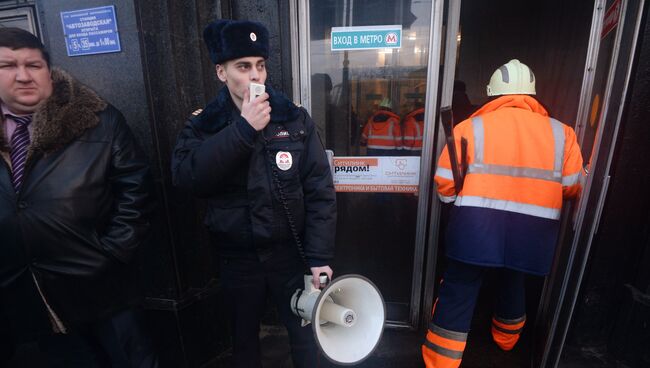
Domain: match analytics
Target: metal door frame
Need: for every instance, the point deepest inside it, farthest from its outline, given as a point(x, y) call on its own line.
point(446, 95)
point(301, 66)
point(590, 68)
point(577, 263)
point(581, 119)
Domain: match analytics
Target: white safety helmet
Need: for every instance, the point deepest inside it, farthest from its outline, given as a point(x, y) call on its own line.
point(386, 103)
point(513, 78)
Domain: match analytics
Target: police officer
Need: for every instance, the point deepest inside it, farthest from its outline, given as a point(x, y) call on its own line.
point(265, 175)
point(521, 165)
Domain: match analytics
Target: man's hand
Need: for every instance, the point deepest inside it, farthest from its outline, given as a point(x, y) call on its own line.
point(316, 271)
point(257, 112)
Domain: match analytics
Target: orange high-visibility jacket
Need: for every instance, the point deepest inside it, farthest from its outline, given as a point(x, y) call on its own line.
point(521, 164)
point(413, 130)
point(383, 131)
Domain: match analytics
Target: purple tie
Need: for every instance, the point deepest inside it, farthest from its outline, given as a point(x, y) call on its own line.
point(19, 145)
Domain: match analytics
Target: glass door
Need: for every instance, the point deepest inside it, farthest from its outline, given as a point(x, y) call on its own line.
point(365, 77)
point(613, 40)
point(552, 38)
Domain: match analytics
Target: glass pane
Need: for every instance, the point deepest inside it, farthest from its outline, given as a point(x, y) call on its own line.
point(603, 65)
point(373, 87)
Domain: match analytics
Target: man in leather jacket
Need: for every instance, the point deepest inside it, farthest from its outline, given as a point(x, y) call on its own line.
point(265, 175)
point(74, 208)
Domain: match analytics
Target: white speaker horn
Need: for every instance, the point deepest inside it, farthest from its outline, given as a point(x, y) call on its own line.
point(350, 312)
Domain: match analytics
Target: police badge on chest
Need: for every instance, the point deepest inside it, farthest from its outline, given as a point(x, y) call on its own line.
point(283, 160)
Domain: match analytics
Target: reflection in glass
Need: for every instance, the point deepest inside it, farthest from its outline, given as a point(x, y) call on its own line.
point(357, 96)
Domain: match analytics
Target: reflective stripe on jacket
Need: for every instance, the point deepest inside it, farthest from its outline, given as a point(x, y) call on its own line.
point(519, 160)
point(413, 130)
point(521, 165)
point(382, 131)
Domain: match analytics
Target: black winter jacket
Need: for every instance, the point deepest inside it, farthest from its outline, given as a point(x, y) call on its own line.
point(82, 211)
point(219, 156)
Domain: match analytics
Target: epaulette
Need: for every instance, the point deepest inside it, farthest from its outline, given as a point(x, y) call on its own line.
point(196, 112)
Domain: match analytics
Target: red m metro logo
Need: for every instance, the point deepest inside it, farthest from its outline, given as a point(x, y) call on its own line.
point(391, 38)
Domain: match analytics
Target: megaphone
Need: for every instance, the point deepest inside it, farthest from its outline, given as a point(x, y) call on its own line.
point(347, 317)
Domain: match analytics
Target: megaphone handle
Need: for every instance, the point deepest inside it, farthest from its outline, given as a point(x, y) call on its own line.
point(323, 279)
point(297, 299)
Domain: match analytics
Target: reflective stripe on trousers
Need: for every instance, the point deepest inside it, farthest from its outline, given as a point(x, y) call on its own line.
point(506, 332)
point(443, 348)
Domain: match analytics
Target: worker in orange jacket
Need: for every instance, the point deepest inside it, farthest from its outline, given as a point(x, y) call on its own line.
point(521, 164)
point(382, 133)
point(413, 131)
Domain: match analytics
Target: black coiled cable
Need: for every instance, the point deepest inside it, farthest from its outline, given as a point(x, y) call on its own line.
point(287, 211)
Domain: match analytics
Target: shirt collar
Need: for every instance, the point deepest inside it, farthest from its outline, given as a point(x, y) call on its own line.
point(6, 111)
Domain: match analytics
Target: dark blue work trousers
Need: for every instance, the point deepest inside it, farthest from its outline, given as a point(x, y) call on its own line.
point(459, 291)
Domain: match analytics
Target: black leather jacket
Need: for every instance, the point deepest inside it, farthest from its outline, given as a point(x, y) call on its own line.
point(218, 156)
point(82, 211)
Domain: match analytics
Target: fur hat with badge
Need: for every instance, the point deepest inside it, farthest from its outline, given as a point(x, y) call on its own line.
point(232, 39)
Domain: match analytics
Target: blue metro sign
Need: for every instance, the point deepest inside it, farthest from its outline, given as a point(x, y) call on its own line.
point(91, 31)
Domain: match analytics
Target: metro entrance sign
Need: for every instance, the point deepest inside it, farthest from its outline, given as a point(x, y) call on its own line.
point(366, 38)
